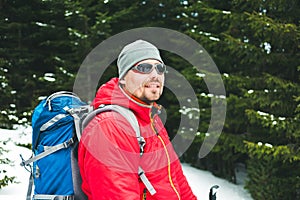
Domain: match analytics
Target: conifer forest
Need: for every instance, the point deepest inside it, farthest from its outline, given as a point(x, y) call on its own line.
point(255, 45)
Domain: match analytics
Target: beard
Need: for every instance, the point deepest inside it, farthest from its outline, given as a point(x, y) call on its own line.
point(148, 90)
point(151, 90)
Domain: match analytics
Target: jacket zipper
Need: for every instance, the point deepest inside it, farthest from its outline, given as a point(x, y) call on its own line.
point(144, 194)
point(167, 154)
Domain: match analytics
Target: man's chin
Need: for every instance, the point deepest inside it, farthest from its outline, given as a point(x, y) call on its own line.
point(151, 99)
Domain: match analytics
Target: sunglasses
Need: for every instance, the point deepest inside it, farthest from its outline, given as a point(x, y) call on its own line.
point(147, 68)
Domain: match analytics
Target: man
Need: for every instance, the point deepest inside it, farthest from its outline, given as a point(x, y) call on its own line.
point(109, 154)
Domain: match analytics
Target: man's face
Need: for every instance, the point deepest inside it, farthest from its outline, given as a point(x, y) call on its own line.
point(146, 87)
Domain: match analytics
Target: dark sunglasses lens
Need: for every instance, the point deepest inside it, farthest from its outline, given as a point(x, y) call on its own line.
point(144, 67)
point(161, 68)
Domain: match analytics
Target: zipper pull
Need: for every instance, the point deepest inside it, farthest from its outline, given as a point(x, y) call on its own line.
point(144, 194)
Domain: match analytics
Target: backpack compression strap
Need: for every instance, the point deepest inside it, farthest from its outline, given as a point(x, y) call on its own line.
point(55, 148)
point(47, 152)
point(135, 125)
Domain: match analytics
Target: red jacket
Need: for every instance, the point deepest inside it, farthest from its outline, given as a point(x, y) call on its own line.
point(109, 153)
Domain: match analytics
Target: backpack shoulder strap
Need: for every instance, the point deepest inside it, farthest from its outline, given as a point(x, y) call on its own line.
point(129, 115)
point(78, 114)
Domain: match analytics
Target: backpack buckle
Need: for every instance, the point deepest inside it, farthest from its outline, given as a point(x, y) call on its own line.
point(142, 143)
point(68, 143)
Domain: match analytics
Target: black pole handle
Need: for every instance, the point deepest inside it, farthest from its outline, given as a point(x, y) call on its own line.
point(212, 193)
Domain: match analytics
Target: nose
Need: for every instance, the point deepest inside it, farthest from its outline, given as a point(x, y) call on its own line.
point(154, 73)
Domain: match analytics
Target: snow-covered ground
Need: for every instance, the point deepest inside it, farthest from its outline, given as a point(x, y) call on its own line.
point(200, 181)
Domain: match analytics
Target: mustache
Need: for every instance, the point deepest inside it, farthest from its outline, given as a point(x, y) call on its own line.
point(153, 80)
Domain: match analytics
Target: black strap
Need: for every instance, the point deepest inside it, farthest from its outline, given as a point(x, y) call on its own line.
point(29, 190)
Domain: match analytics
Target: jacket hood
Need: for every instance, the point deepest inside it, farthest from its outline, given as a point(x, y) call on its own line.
point(112, 93)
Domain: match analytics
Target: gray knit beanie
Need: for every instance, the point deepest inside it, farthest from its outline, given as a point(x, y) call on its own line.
point(134, 53)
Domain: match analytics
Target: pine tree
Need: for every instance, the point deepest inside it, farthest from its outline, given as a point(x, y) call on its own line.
point(256, 47)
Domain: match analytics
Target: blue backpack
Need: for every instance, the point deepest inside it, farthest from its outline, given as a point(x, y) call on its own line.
point(57, 124)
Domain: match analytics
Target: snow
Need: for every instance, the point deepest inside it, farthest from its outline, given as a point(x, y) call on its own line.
point(199, 180)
